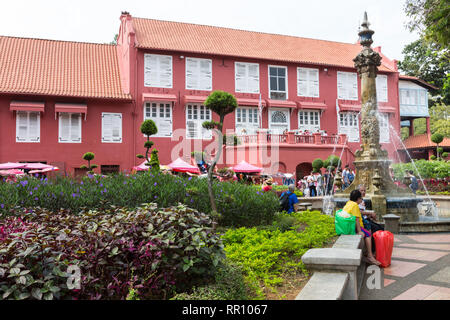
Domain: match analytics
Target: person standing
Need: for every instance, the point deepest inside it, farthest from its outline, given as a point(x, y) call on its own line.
point(345, 180)
point(319, 179)
point(312, 184)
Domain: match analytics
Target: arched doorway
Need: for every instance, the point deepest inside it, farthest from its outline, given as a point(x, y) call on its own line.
point(303, 169)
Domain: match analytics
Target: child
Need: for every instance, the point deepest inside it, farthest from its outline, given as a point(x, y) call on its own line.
point(352, 207)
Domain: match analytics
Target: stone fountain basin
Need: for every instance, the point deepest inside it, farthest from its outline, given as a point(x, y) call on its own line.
point(391, 202)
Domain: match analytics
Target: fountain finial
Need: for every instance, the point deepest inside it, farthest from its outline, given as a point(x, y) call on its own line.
point(365, 35)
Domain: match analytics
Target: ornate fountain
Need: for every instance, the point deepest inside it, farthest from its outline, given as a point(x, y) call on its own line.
point(372, 162)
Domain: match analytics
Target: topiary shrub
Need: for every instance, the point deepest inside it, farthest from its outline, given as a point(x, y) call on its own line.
point(317, 164)
point(149, 128)
point(89, 156)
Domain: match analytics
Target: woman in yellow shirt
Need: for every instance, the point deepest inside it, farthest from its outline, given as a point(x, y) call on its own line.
point(352, 207)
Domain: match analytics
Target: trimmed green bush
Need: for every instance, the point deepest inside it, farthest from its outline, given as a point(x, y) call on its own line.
point(238, 204)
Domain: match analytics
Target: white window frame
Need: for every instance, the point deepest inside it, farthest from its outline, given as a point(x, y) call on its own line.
point(285, 82)
point(198, 61)
point(382, 88)
point(346, 77)
point(347, 121)
point(248, 88)
point(61, 114)
point(119, 115)
point(310, 83)
point(305, 115)
point(243, 115)
point(202, 133)
point(27, 139)
point(147, 68)
point(157, 118)
point(288, 118)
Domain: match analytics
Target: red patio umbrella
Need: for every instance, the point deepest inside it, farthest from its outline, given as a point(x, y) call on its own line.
point(245, 167)
point(44, 170)
point(182, 166)
point(12, 165)
point(36, 166)
point(11, 172)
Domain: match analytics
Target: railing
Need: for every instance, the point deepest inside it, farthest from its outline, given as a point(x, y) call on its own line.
point(329, 139)
point(304, 139)
point(291, 138)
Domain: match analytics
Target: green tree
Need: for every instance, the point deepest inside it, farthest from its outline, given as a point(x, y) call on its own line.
point(221, 103)
point(431, 19)
point(148, 128)
point(317, 164)
point(430, 63)
point(437, 138)
point(440, 119)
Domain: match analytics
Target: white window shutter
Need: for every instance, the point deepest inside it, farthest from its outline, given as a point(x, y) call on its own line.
point(302, 82)
point(165, 71)
point(191, 129)
point(33, 133)
point(253, 78)
point(21, 126)
point(205, 75)
point(106, 128)
point(341, 84)
point(241, 77)
point(314, 83)
point(64, 127)
point(117, 128)
point(75, 130)
point(192, 73)
point(353, 87)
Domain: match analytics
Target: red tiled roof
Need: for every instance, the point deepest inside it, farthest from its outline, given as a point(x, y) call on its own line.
point(185, 37)
point(423, 141)
point(59, 68)
point(418, 81)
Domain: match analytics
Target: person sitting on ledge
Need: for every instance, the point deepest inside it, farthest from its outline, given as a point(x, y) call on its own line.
point(352, 207)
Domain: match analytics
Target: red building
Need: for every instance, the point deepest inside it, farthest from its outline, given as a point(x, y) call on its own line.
point(164, 71)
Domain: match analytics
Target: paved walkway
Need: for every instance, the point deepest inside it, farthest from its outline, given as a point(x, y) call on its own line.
point(419, 270)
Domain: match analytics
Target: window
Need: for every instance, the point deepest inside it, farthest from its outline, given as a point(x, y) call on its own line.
point(69, 127)
point(198, 74)
point(28, 126)
point(308, 82)
point(382, 92)
point(383, 121)
point(246, 77)
point(247, 121)
point(158, 71)
point(279, 121)
point(347, 83)
point(161, 114)
point(309, 120)
point(195, 116)
point(413, 97)
point(112, 127)
point(109, 169)
point(278, 83)
point(349, 125)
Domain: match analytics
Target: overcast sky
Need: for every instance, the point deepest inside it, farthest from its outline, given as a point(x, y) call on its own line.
point(98, 20)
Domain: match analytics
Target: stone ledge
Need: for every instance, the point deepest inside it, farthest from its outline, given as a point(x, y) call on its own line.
point(349, 242)
point(324, 286)
point(334, 257)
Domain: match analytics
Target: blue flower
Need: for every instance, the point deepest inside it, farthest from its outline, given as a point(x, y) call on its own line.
point(124, 182)
point(81, 182)
point(155, 184)
point(24, 183)
point(190, 178)
point(36, 199)
point(31, 193)
point(2, 205)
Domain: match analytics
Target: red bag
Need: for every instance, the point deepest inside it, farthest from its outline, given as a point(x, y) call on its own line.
point(384, 244)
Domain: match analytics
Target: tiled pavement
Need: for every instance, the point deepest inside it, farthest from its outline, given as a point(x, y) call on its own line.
point(419, 270)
